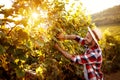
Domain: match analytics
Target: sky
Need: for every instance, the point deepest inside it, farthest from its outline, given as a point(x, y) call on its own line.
point(7, 3)
point(92, 6)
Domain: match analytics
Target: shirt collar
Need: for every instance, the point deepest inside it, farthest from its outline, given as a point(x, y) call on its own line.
point(94, 47)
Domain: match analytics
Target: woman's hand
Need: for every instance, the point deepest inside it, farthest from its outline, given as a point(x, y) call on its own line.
point(61, 36)
point(57, 46)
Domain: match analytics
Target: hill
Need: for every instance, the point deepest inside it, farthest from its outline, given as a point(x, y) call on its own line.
point(107, 17)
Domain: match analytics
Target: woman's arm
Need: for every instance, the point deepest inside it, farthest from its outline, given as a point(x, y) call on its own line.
point(65, 53)
point(66, 37)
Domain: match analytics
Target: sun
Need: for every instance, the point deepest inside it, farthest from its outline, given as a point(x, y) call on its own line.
point(34, 15)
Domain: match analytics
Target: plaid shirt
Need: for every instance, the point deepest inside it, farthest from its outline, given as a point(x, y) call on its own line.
point(91, 60)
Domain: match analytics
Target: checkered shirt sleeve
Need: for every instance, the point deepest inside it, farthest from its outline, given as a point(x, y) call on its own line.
point(80, 40)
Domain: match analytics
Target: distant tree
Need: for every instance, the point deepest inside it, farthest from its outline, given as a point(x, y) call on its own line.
point(107, 17)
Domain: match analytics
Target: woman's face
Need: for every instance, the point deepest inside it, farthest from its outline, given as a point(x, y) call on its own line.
point(88, 39)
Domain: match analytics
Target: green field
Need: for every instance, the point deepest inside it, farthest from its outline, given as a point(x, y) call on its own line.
point(113, 29)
